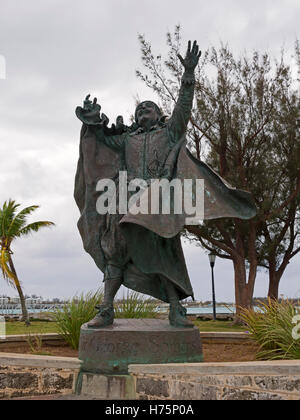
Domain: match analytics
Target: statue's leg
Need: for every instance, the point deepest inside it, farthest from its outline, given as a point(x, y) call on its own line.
point(115, 250)
point(177, 313)
point(112, 282)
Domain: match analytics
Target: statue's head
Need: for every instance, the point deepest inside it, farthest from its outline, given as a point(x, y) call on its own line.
point(147, 112)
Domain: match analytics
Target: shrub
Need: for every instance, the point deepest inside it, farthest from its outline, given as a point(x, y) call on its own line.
point(72, 315)
point(35, 343)
point(271, 327)
point(134, 305)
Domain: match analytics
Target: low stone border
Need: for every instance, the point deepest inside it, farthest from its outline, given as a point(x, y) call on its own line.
point(36, 316)
point(206, 337)
point(24, 375)
point(16, 340)
point(225, 337)
point(278, 380)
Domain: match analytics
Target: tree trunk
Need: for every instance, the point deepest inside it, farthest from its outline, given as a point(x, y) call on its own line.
point(275, 275)
point(243, 291)
point(274, 279)
point(25, 316)
point(243, 288)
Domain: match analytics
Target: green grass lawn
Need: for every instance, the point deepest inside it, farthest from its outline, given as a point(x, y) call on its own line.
point(219, 326)
point(42, 327)
point(36, 327)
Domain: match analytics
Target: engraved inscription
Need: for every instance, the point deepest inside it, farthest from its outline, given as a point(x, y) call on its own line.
point(171, 347)
point(130, 349)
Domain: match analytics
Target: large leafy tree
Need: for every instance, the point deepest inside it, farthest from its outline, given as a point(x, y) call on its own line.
point(244, 123)
point(13, 225)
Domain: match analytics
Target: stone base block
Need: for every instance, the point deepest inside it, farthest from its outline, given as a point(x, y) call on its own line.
point(106, 387)
point(111, 349)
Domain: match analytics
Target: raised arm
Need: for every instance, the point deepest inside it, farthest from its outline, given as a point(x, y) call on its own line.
point(178, 122)
point(89, 114)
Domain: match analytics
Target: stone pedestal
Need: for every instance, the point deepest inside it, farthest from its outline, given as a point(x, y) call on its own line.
point(109, 350)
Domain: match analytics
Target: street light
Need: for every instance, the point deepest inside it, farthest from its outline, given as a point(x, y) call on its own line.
point(212, 259)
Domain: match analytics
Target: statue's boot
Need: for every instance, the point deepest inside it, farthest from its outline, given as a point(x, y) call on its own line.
point(177, 316)
point(177, 313)
point(104, 317)
point(112, 282)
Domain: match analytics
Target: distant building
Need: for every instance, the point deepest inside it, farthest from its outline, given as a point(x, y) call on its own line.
point(33, 301)
point(4, 300)
point(14, 300)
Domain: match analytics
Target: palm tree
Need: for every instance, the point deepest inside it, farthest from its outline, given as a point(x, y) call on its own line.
point(13, 225)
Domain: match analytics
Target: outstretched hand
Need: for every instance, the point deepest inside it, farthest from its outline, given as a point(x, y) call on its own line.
point(90, 113)
point(91, 108)
point(191, 58)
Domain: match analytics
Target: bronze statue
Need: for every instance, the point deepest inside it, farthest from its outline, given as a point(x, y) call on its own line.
point(143, 251)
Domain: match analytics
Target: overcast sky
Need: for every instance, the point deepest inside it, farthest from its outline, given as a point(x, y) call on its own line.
point(56, 52)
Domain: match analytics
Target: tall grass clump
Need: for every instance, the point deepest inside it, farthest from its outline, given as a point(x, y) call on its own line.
point(134, 305)
point(271, 327)
point(72, 315)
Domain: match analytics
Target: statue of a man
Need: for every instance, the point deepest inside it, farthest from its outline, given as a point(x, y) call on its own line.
point(143, 253)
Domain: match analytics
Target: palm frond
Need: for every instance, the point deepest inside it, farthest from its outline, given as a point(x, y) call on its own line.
point(34, 227)
point(7, 214)
point(19, 221)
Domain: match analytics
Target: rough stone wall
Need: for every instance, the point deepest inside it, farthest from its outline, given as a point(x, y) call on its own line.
point(18, 381)
point(217, 387)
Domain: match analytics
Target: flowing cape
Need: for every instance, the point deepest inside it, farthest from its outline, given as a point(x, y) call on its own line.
point(218, 198)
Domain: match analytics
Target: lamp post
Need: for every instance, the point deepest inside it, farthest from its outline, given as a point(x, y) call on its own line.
point(212, 259)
